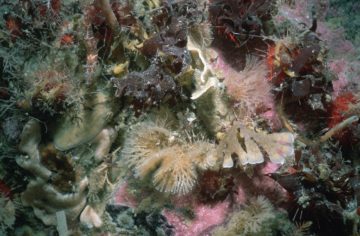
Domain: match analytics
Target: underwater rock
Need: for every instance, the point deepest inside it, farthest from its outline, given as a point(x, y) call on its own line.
point(153, 223)
point(170, 45)
point(240, 20)
point(148, 88)
point(89, 121)
point(206, 217)
point(11, 128)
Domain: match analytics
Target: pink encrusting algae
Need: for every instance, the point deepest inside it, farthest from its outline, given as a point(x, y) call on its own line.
point(206, 217)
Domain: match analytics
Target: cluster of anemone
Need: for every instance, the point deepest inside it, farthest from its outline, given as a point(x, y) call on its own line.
point(171, 162)
point(244, 87)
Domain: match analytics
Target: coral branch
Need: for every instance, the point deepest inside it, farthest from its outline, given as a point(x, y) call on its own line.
point(36, 168)
point(30, 139)
point(103, 142)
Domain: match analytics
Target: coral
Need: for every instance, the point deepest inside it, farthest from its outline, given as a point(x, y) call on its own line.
point(103, 142)
point(202, 54)
point(45, 193)
point(52, 81)
point(90, 218)
point(244, 144)
point(30, 139)
point(51, 89)
point(213, 111)
point(46, 200)
point(73, 131)
point(249, 220)
point(91, 78)
point(151, 148)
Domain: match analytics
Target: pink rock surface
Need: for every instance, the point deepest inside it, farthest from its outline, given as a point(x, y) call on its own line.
point(123, 198)
point(206, 218)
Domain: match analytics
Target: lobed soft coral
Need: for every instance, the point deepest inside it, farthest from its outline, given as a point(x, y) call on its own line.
point(246, 144)
point(151, 148)
point(52, 190)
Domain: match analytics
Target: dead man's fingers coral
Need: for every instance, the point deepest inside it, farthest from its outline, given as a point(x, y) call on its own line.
point(30, 139)
point(35, 167)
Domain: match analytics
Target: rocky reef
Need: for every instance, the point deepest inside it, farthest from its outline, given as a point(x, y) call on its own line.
point(178, 117)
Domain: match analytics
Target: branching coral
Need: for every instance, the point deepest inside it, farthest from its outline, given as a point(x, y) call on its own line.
point(44, 194)
point(71, 132)
point(151, 148)
point(46, 200)
point(30, 139)
point(245, 145)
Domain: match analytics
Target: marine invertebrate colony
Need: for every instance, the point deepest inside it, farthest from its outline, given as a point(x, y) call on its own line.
point(243, 87)
point(245, 144)
point(212, 117)
point(151, 148)
point(45, 198)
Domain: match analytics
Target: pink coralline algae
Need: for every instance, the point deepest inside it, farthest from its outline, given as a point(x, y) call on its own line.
point(206, 218)
point(122, 197)
point(339, 67)
point(209, 216)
